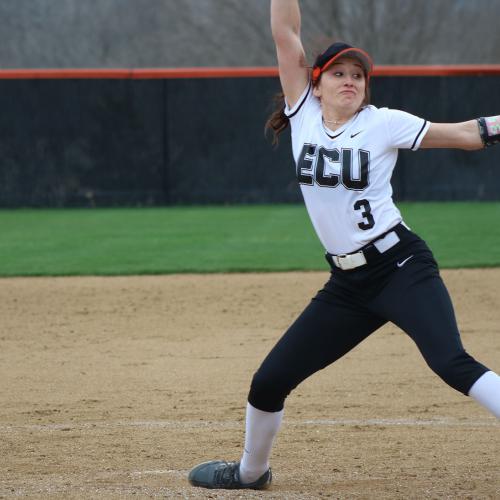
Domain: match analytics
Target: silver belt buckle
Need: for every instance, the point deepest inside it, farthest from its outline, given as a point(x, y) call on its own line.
point(349, 261)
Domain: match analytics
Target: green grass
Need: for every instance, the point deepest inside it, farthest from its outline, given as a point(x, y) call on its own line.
point(217, 239)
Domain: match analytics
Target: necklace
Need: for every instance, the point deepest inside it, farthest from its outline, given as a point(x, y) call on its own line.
point(335, 122)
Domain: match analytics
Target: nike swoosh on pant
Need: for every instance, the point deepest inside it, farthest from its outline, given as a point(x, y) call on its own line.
point(403, 262)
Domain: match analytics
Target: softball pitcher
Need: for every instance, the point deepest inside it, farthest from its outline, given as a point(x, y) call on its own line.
point(345, 151)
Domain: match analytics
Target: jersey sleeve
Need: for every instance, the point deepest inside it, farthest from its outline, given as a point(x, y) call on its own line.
point(406, 131)
point(305, 105)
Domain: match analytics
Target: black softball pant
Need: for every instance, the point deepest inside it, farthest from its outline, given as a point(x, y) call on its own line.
point(355, 303)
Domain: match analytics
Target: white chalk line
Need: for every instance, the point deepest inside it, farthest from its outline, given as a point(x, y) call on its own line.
point(229, 424)
point(158, 472)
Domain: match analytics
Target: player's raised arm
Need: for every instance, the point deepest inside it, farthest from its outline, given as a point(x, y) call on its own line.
point(285, 27)
point(473, 134)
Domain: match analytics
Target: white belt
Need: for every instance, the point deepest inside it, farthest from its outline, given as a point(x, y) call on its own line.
point(357, 259)
point(349, 261)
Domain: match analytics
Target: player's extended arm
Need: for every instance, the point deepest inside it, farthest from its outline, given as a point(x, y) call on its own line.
point(470, 135)
point(285, 27)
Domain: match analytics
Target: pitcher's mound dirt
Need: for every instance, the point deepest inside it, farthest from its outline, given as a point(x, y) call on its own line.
point(116, 387)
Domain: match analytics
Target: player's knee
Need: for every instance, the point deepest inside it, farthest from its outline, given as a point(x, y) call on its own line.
point(268, 392)
point(459, 371)
point(446, 370)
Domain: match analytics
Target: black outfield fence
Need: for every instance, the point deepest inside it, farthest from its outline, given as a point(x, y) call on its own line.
point(119, 138)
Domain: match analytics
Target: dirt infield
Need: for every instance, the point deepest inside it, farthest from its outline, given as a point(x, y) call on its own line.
point(115, 387)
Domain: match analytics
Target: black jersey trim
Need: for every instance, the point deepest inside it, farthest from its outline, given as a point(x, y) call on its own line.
point(332, 136)
point(297, 109)
point(418, 135)
point(345, 125)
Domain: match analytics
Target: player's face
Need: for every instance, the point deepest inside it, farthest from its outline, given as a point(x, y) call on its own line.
point(342, 85)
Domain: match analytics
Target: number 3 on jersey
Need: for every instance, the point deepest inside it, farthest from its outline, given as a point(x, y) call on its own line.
point(341, 161)
point(366, 214)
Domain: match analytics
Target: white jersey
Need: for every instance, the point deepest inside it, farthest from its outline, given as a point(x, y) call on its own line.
point(345, 175)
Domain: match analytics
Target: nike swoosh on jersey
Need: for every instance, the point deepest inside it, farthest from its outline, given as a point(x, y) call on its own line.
point(357, 133)
point(403, 262)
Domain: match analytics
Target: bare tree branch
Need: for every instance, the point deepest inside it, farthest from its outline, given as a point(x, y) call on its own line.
point(167, 33)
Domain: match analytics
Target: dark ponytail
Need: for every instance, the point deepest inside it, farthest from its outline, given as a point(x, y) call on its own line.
point(277, 121)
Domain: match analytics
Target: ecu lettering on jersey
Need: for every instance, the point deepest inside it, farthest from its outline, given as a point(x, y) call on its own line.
point(344, 175)
point(331, 167)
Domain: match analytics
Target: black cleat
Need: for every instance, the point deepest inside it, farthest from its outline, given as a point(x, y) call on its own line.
point(225, 475)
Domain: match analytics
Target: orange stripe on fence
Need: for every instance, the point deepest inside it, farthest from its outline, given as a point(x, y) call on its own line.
point(439, 70)
point(234, 72)
point(143, 73)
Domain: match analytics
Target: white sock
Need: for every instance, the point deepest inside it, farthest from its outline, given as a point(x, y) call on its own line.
point(261, 429)
point(486, 391)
